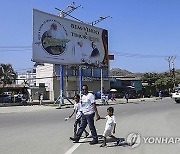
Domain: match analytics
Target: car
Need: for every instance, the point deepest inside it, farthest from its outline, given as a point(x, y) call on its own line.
point(6, 98)
point(176, 95)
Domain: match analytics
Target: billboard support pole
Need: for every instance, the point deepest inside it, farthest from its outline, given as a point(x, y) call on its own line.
point(61, 70)
point(101, 83)
point(80, 80)
point(61, 101)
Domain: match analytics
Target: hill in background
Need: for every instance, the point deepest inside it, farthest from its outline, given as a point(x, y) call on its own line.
point(125, 73)
point(120, 72)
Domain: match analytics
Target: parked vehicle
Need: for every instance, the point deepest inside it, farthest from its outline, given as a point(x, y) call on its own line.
point(176, 95)
point(5, 98)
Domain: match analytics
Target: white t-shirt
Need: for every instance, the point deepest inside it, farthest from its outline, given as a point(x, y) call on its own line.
point(87, 102)
point(110, 122)
point(77, 108)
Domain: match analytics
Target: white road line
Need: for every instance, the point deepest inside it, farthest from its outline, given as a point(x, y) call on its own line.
point(73, 148)
point(126, 112)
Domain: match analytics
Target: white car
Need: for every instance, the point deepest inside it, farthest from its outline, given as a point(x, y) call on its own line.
point(176, 95)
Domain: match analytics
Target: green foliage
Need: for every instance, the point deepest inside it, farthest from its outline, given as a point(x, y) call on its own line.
point(7, 74)
point(150, 78)
point(160, 81)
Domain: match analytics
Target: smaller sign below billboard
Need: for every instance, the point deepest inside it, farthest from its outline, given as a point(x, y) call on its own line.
point(111, 57)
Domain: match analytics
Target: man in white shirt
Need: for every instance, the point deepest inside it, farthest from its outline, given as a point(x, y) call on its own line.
point(88, 109)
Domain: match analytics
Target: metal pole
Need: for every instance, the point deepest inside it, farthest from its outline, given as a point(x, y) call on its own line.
point(80, 80)
point(173, 72)
point(101, 83)
point(67, 94)
point(61, 14)
point(61, 75)
point(61, 85)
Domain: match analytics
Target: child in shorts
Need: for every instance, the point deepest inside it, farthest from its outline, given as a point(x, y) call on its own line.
point(110, 126)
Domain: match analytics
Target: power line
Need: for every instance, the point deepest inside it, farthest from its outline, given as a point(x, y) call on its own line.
point(135, 55)
point(124, 54)
point(15, 50)
point(15, 47)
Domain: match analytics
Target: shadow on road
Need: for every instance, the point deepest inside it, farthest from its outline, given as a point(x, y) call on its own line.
point(108, 141)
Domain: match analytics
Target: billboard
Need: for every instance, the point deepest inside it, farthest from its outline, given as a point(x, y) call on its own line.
point(63, 41)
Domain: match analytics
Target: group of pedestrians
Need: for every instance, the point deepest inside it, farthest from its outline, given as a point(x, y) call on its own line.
point(85, 109)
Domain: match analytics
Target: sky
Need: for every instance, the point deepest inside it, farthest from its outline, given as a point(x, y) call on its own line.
point(142, 33)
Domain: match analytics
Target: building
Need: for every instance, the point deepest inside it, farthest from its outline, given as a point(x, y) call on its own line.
point(47, 76)
point(131, 85)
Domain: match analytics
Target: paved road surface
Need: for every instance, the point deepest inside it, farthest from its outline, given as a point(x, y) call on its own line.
point(42, 130)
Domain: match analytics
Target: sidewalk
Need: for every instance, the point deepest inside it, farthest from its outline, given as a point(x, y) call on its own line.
point(49, 105)
point(123, 100)
point(19, 109)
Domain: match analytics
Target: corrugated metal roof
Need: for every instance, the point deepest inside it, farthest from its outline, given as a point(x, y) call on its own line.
point(13, 86)
point(126, 78)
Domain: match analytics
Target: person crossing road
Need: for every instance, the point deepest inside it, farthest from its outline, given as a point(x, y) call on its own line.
point(89, 110)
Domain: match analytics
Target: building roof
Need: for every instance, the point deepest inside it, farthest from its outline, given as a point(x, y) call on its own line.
point(124, 78)
point(13, 86)
point(129, 79)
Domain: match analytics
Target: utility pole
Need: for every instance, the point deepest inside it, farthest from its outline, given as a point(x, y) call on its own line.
point(173, 71)
point(170, 60)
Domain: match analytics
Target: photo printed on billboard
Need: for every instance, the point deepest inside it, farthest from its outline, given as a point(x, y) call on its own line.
point(63, 41)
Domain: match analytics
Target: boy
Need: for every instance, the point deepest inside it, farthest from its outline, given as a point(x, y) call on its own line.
point(77, 107)
point(110, 126)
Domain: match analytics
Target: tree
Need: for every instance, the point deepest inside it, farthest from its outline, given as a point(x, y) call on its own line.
point(162, 81)
point(150, 78)
point(165, 82)
point(7, 74)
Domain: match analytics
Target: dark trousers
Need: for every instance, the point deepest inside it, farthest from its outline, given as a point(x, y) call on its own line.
point(76, 123)
point(87, 119)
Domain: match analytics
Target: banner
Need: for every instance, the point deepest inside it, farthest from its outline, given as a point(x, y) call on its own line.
point(62, 41)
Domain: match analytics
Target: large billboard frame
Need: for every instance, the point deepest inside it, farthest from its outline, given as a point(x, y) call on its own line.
point(63, 41)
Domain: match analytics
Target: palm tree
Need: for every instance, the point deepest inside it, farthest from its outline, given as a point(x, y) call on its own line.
point(7, 74)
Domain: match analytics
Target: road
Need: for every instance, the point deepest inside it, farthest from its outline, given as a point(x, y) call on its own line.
point(46, 132)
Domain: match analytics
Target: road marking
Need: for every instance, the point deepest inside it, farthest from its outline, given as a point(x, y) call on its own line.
point(126, 112)
point(73, 148)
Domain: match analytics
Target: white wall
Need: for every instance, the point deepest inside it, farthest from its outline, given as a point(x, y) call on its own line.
point(44, 74)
